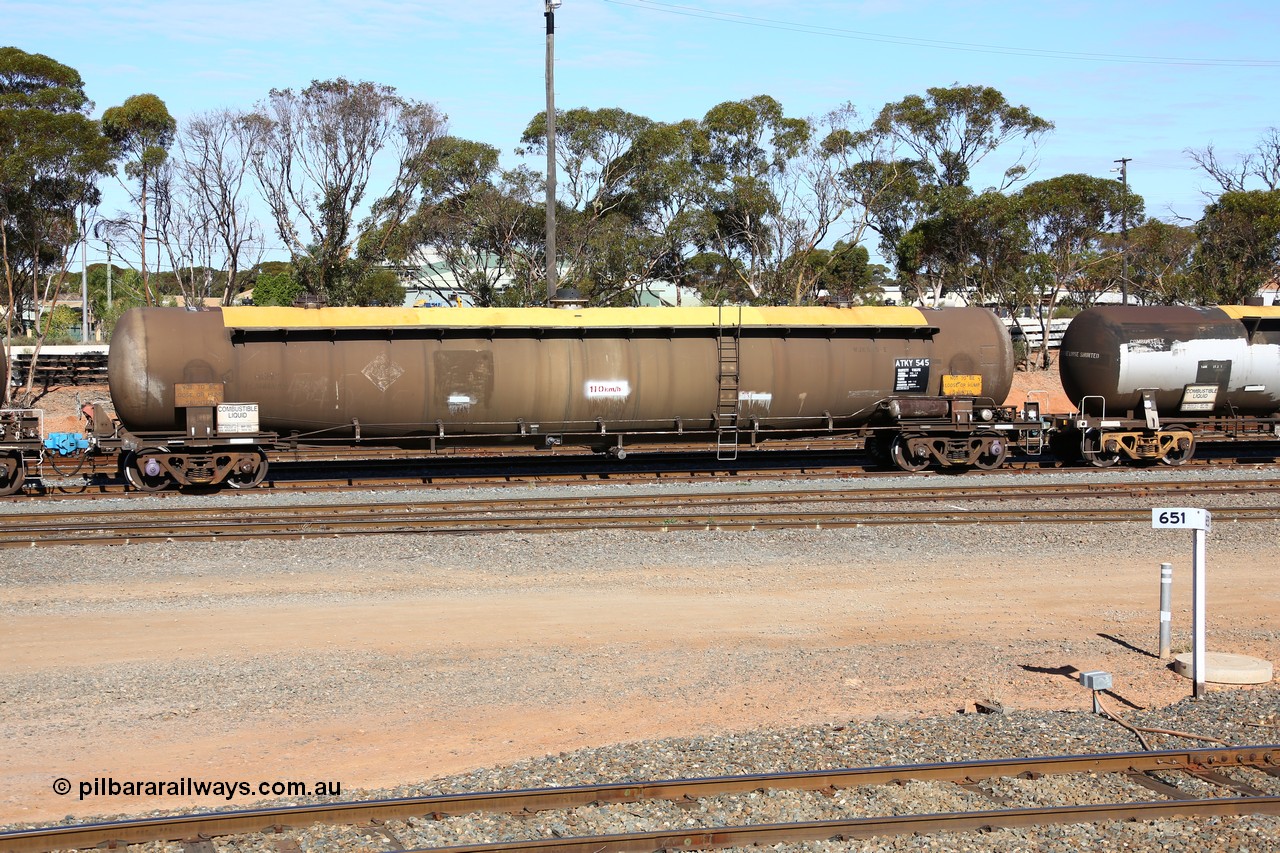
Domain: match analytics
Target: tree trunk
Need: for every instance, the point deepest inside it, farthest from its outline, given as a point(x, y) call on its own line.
point(146, 287)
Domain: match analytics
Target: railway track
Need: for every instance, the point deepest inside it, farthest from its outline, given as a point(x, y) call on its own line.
point(749, 510)
point(1165, 785)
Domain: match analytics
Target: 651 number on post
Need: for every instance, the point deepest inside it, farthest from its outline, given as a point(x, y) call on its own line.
point(1179, 517)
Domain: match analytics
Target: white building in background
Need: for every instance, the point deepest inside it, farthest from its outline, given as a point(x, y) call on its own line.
point(429, 283)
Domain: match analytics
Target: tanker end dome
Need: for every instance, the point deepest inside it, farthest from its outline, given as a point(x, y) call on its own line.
point(1196, 360)
point(974, 342)
point(154, 349)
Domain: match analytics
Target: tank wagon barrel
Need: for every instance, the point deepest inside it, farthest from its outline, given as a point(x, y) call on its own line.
point(596, 377)
point(493, 371)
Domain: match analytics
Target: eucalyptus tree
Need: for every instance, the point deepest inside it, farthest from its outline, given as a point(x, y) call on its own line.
point(810, 204)
point(1158, 256)
point(142, 131)
point(476, 227)
point(868, 176)
point(51, 158)
point(661, 202)
point(1238, 247)
point(1067, 216)
point(1257, 168)
point(992, 246)
point(599, 154)
point(315, 154)
point(216, 150)
point(919, 155)
point(843, 273)
point(183, 232)
point(743, 171)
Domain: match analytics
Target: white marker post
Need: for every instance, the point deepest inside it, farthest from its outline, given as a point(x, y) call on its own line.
point(1197, 520)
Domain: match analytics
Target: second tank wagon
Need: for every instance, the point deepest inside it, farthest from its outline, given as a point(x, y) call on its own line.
point(1150, 380)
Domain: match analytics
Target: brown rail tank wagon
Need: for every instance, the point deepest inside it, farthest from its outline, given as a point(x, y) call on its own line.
point(599, 377)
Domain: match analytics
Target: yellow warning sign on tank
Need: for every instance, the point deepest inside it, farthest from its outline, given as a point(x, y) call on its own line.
point(196, 394)
point(962, 384)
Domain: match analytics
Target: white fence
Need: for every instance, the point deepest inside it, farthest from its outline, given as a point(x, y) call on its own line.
point(1028, 329)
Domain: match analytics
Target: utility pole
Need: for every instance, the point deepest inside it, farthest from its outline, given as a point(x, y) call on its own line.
point(101, 230)
point(84, 274)
point(1124, 230)
point(551, 6)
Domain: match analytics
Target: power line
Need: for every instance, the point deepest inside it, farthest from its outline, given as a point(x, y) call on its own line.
point(911, 41)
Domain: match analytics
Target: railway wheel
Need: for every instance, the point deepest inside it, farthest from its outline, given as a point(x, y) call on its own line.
point(1094, 452)
point(144, 472)
point(1182, 453)
point(13, 473)
point(246, 475)
point(900, 452)
point(994, 453)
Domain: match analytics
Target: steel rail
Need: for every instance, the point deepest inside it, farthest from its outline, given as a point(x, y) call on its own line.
point(272, 820)
point(867, 495)
point(867, 827)
point(290, 522)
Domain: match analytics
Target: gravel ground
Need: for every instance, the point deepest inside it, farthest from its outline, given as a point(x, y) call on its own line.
point(220, 689)
point(1237, 717)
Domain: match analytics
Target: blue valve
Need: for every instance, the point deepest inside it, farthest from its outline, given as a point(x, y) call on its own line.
point(66, 443)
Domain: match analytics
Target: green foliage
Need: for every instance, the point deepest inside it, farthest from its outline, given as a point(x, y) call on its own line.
point(920, 155)
point(1159, 256)
point(736, 203)
point(58, 324)
point(275, 268)
point(1068, 216)
point(315, 154)
point(952, 129)
point(276, 288)
point(143, 131)
point(379, 287)
point(125, 293)
point(108, 317)
point(472, 215)
point(843, 272)
point(51, 157)
point(1239, 245)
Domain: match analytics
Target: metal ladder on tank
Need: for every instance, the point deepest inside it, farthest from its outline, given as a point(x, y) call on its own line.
point(727, 339)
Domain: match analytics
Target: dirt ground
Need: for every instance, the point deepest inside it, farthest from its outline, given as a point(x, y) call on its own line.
point(401, 669)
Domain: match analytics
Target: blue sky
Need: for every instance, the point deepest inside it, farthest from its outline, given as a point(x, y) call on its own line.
point(1142, 80)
